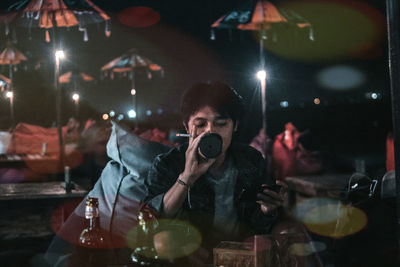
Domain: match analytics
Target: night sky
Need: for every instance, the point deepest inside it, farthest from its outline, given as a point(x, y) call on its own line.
point(345, 68)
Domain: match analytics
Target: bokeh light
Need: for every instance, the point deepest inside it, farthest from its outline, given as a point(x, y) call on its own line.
point(75, 97)
point(373, 95)
point(341, 77)
point(138, 16)
point(305, 249)
point(261, 75)
point(61, 213)
point(284, 104)
point(60, 54)
point(9, 94)
point(172, 239)
point(328, 217)
point(132, 114)
point(342, 29)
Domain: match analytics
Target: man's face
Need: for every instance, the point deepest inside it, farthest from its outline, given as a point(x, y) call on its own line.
point(208, 120)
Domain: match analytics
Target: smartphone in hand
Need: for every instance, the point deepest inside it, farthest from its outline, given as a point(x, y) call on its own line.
point(251, 195)
point(274, 187)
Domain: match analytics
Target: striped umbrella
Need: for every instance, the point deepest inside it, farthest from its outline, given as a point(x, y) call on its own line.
point(74, 77)
point(128, 62)
point(260, 15)
point(126, 65)
point(51, 14)
point(11, 56)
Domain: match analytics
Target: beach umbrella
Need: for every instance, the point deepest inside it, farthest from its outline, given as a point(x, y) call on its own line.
point(75, 77)
point(261, 16)
point(11, 56)
point(126, 65)
point(53, 14)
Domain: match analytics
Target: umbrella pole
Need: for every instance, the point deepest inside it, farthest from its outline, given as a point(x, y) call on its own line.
point(263, 85)
point(58, 111)
point(12, 95)
point(58, 99)
point(262, 59)
point(264, 105)
point(11, 74)
point(392, 16)
point(133, 93)
point(75, 90)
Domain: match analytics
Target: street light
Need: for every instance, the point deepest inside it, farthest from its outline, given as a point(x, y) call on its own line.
point(75, 97)
point(59, 54)
point(132, 114)
point(10, 95)
point(262, 76)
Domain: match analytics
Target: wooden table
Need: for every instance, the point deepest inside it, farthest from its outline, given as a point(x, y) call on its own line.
point(33, 210)
point(326, 185)
point(23, 160)
point(40, 190)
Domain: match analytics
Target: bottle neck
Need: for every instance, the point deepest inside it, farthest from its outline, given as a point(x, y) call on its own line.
point(94, 222)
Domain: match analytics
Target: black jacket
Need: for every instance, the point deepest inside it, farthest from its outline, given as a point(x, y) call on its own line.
point(252, 172)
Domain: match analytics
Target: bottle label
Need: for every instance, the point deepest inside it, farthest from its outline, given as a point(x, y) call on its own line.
point(91, 212)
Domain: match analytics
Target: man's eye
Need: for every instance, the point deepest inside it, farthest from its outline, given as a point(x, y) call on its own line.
point(221, 124)
point(201, 125)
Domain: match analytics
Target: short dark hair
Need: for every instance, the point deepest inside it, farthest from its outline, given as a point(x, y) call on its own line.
point(218, 95)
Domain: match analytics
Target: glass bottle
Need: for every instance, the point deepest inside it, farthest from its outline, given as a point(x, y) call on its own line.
point(92, 236)
point(144, 253)
point(91, 250)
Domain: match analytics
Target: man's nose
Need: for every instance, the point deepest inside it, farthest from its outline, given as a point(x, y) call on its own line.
point(210, 128)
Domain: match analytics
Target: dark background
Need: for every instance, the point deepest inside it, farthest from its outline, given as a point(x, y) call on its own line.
point(347, 33)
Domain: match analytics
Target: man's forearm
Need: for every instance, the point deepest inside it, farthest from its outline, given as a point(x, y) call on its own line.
point(174, 198)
